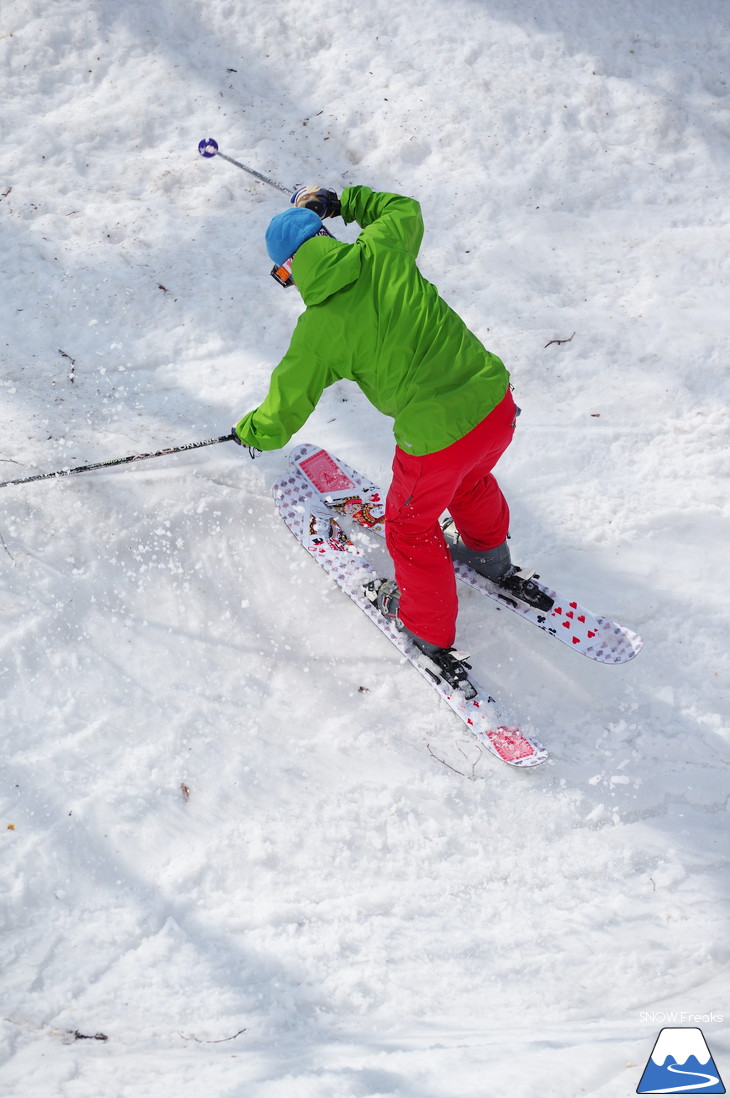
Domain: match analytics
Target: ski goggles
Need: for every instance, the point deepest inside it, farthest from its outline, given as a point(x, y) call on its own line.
point(282, 272)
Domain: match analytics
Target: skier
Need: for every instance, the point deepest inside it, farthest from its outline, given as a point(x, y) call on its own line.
point(373, 318)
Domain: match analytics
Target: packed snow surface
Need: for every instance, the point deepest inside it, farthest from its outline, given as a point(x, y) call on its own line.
point(247, 853)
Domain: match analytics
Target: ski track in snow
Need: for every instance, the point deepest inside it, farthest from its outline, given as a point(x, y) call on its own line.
point(234, 841)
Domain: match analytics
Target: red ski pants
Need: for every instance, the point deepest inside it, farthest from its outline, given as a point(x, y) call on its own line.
point(458, 479)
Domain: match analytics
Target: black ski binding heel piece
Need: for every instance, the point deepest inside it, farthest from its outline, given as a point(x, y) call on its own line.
point(453, 668)
point(519, 583)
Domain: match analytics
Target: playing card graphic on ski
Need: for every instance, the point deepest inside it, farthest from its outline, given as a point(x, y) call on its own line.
point(342, 489)
point(320, 531)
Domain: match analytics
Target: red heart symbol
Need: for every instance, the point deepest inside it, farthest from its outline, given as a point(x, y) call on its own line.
point(591, 633)
point(574, 605)
point(576, 640)
point(566, 625)
point(582, 618)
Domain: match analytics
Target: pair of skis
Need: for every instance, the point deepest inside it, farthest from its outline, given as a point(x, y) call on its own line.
point(313, 497)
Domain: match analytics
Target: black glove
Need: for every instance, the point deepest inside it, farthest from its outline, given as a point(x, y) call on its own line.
point(324, 203)
point(253, 451)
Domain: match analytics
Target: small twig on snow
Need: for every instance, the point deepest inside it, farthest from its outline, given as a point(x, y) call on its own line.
point(471, 777)
point(2, 539)
point(71, 376)
point(550, 342)
point(90, 1036)
point(219, 1041)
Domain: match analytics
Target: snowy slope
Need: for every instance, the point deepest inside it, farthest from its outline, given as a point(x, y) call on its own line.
point(234, 840)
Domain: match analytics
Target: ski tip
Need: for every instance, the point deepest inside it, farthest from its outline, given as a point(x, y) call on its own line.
point(207, 147)
point(513, 747)
point(619, 645)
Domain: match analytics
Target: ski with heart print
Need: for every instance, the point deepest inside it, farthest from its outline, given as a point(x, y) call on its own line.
point(319, 531)
point(342, 489)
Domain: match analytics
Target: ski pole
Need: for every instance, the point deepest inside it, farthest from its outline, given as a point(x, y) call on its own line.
point(208, 147)
point(119, 461)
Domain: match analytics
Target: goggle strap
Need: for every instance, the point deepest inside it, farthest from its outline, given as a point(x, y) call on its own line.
point(282, 273)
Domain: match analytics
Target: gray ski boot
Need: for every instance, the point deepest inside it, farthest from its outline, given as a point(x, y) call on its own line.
point(384, 594)
point(496, 565)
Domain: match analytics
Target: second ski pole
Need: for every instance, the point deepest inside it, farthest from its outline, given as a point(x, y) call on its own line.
point(208, 147)
point(119, 461)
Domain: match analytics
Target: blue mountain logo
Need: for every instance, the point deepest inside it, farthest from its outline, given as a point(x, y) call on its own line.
point(680, 1063)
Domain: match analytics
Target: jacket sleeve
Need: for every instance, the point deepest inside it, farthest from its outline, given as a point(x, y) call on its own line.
point(385, 218)
point(296, 385)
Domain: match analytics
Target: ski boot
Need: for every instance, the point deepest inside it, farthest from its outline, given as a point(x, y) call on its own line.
point(496, 565)
point(452, 665)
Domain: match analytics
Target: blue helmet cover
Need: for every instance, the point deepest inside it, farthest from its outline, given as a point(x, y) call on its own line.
point(288, 230)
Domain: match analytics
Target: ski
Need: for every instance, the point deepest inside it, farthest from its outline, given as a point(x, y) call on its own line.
point(342, 489)
point(322, 535)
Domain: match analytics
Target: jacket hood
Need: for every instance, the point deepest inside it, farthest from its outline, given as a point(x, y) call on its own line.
point(323, 265)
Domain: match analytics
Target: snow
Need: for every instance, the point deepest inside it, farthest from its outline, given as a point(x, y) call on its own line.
point(241, 841)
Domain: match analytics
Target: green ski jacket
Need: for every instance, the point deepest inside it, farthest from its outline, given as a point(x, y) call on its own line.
point(373, 318)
